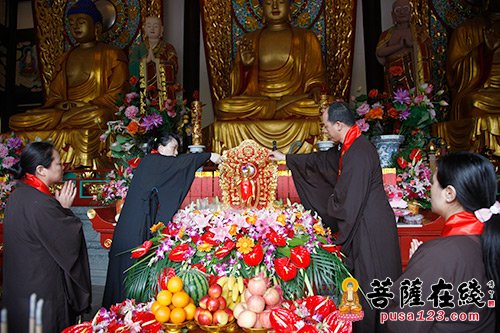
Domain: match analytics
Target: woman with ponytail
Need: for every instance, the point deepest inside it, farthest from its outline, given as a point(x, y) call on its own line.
point(467, 256)
point(160, 184)
point(44, 245)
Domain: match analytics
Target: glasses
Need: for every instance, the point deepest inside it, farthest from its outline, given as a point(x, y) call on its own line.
point(401, 10)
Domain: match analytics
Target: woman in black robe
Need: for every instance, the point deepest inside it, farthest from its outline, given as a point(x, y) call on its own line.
point(466, 257)
point(45, 251)
point(160, 184)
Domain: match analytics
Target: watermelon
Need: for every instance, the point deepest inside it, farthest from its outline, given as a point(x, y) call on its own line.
point(195, 283)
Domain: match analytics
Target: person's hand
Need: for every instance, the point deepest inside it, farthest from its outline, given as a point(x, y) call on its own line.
point(151, 55)
point(275, 155)
point(66, 195)
point(216, 158)
point(414, 245)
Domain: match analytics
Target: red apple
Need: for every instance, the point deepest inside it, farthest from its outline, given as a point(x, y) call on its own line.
point(213, 304)
point(203, 301)
point(230, 314)
point(220, 318)
point(222, 303)
point(197, 313)
point(215, 290)
point(205, 317)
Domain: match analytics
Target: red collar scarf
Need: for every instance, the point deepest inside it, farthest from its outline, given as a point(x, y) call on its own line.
point(33, 181)
point(352, 134)
point(463, 223)
point(154, 151)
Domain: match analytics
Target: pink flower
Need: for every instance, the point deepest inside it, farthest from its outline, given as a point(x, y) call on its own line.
point(428, 89)
point(419, 99)
point(130, 97)
point(8, 162)
point(363, 109)
point(131, 111)
point(103, 137)
point(363, 125)
point(3, 151)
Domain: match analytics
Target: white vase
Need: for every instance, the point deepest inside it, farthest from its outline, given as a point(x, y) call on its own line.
point(387, 147)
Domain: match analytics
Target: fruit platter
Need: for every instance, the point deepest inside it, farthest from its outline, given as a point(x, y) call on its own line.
point(252, 270)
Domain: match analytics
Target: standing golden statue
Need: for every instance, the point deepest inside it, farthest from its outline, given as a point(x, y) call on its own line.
point(277, 75)
point(473, 68)
point(154, 59)
point(83, 92)
point(403, 49)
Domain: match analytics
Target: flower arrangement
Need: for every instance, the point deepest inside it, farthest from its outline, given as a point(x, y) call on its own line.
point(407, 112)
point(287, 243)
point(414, 176)
point(140, 117)
point(117, 187)
point(10, 150)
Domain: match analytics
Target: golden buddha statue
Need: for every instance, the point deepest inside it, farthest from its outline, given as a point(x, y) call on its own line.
point(350, 299)
point(154, 59)
point(473, 68)
point(403, 50)
point(473, 73)
point(85, 86)
point(275, 84)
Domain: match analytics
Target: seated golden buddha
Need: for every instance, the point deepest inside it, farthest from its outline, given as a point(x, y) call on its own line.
point(85, 85)
point(275, 84)
point(350, 299)
point(473, 73)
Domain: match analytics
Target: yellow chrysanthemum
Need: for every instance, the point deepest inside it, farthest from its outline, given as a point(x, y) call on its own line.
point(205, 247)
point(300, 226)
point(181, 232)
point(298, 215)
point(245, 245)
point(318, 228)
point(157, 226)
point(281, 219)
point(233, 230)
point(251, 219)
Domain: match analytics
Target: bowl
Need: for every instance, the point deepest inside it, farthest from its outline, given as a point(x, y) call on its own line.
point(256, 330)
point(174, 328)
point(191, 325)
point(229, 327)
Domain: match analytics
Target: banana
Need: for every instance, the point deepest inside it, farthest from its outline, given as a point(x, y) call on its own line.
point(240, 284)
point(222, 281)
point(234, 295)
point(231, 281)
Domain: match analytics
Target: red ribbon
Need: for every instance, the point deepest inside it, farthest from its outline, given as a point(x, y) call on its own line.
point(463, 223)
point(33, 181)
point(352, 134)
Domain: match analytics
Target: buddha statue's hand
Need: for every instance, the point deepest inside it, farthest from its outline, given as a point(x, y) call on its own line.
point(151, 55)
point(490, 38)
point(407, 41)
point(68, 105)
point(247, 52)
point(315, 95)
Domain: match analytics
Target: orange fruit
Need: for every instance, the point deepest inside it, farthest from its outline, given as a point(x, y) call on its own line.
point(174, 284)
point(190, 310)
point(162, 314)
point(180, 299)
point(164, 297)
point(171, 307)
point(191, 300)
point(177, 316)
point(155, 306)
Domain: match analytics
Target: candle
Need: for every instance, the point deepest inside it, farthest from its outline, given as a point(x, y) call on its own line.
point(38, 316)
point(3, 321)
point(32, 313)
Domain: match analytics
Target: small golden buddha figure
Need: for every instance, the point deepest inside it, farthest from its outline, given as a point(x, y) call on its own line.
point(85, 86)
point(350, 298)
point(156, 57)
point(473, 68)
point(278, 71)
point(247, 188)
point(403, 50)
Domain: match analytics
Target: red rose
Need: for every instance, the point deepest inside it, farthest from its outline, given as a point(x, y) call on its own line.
point(133, 80)
point(373, 93)
point(396, 70)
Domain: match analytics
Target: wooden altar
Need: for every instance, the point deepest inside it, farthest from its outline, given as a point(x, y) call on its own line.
point(206, 185)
